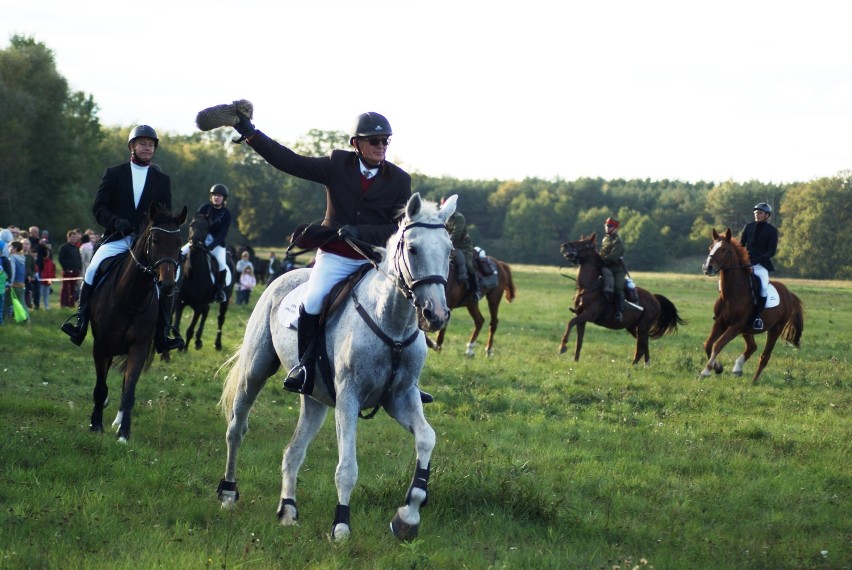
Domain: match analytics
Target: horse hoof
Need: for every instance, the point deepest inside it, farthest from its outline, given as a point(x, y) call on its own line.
point(563, 349)
point(340, 532)
point(737, 373)
point(122, 440)
point(718, 370)
point(403, 530)
point(98, 428)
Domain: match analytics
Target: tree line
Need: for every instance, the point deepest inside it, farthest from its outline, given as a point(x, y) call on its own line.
point(54, 150)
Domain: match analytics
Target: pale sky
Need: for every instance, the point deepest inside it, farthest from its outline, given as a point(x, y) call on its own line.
point(485, 89)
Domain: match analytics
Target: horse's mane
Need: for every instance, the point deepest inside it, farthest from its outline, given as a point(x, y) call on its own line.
point(741, 251)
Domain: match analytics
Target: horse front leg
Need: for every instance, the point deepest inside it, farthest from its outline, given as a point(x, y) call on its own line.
point(406, 522)
point(101, 391)
point(717, 347)
point(220, 321)
point(135, 363)
point(715, 333)
point(581, 332)
point(311, 417)
point(563, 346)
point(198, 341)
point(750, 348)
point(346, 474)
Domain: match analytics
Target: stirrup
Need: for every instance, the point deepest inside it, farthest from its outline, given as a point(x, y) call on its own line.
point(220, 296)
point(295, 380)
point(757, 324)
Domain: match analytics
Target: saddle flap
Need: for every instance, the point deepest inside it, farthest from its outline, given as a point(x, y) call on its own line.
point(340, 292)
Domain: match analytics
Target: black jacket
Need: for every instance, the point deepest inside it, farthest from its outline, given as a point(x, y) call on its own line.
point(761, 241)
point(114, 200)
point(374, 212)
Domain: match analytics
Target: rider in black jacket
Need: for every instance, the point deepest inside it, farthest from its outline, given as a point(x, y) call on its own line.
point(760, 239)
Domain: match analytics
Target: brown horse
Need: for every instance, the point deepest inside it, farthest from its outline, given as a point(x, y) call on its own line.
point(124, 308)
point(734, 313)
point(657, 318)
point(458, 295)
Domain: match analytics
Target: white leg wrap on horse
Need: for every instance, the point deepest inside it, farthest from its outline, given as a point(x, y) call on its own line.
point(117, 421)
point(738, 365)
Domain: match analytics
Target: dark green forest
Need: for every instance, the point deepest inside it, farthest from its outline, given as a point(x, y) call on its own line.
point(54, 149)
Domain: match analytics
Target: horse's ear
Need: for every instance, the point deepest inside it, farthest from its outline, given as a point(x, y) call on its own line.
point(715, 235)
point(594, 236)
point(182, 216)
point(728, 235)
point(412, 208)
point(448, 208)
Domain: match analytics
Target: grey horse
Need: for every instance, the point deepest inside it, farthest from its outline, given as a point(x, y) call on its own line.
point(376, 352)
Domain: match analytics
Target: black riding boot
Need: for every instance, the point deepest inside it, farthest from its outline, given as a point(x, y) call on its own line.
point(474, 285)
point(162, 342)
point(78, 332)
point(301, 377)
point(221, 297)
point(619, 305)
point(758, 322)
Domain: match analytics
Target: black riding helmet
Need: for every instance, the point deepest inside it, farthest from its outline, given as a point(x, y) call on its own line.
point(763, 207)
point(219, 189)
point(143, 131)
point(370, 125)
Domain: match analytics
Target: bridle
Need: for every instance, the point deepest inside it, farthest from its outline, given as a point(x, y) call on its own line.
point(151, 268)
point(572, 254)
point(722, 267)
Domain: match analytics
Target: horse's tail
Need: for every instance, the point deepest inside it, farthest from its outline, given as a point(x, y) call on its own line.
point(509, 285)
point(233, 381)
point(668, 320)
point(792, 332)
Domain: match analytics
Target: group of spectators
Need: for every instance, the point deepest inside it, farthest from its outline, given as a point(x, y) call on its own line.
point(29, 271)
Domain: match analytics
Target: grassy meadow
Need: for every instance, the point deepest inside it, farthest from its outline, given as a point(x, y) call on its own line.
point(541, 462)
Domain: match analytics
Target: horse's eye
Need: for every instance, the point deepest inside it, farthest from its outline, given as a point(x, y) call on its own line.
point(412, 250)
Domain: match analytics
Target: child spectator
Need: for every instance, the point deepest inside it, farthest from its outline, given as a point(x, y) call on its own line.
point(247, 283)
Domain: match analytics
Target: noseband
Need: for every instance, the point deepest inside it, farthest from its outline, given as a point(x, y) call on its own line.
point(573, 253)
point(151, 268)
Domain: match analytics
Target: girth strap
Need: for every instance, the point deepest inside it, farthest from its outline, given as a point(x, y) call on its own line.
point(396, 353)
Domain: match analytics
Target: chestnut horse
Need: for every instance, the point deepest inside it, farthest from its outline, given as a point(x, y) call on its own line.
point(458, 295)
point(658, 318)
point(124, 308)
point(734, 312)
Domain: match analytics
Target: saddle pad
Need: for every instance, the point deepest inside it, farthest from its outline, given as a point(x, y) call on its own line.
point(288, 310)
point(773, 299)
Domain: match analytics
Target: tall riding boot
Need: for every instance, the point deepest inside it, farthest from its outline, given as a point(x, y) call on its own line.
point(474, 285)
point(619, 305)
point(162, 342)
point(758, 322)
point(221, 297)
point(78, 332)
point(301, 377)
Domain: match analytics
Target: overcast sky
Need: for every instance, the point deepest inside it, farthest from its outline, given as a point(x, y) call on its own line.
point(682, 89)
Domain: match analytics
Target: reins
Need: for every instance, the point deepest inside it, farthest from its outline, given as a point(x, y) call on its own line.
point(150, 269)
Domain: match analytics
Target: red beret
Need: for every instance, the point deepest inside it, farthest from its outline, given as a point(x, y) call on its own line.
point(612, 222)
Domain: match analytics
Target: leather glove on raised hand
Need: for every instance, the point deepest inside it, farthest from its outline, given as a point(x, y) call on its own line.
point(244, 125)
point(123, 226)
point(349, 231)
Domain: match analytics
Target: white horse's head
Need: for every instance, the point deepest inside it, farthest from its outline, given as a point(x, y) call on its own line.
point(421, 259)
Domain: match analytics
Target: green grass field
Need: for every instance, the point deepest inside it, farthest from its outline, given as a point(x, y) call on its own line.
point(541, 462)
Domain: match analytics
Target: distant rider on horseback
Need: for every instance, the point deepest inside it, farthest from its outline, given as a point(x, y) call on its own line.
point(220, 222)
point(612, 265)
point(463, 246)
point(760, 239)
point(121, 205)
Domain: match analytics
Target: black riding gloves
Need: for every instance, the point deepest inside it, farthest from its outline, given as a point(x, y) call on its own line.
point(123, 226)
point(244, 126)
point(349, 231)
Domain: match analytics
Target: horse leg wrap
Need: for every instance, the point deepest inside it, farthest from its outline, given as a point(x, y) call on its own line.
point(341, 516)
point(420, 481)
point(284, 503)
point(229, 487)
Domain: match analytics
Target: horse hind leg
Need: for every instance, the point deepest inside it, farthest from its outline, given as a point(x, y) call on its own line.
point(100, 394)
point(311, 417)
point(750, 348)
point(771, 339)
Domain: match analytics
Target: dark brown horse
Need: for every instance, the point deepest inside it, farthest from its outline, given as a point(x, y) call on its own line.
point(196, 287)
point(458, 295)
point(657, 318)
point(124, 308)
point(733, 312)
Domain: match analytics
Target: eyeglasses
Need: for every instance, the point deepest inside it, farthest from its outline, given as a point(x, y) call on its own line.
point(376, 141)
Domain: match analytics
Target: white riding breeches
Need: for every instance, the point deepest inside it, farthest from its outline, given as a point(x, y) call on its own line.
point(220, 253)
point(104, 251)
point(763, 275)
point(329, 269)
